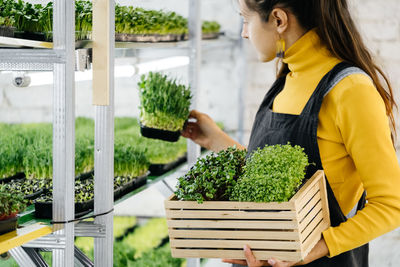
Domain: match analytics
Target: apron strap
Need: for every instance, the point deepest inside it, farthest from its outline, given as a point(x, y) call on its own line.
point(327, 83)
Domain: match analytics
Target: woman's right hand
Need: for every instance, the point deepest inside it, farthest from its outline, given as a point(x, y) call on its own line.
point(206, 133)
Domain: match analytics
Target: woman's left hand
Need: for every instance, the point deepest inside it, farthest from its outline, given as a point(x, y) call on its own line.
point(251, 261)
point(320, 250)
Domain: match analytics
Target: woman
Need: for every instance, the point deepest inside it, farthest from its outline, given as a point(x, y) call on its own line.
point(331, 99)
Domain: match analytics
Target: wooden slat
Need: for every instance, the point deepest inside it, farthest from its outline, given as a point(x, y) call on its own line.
point(324, 200)
point(306, 187)
point(223, 214)
point(102, 61)
point(231, 224)
point(308, 217)
point(172, 203)
point(271, 235)
point(310, 228)
point(303, 202)
point(190, 243)
point(312, 240)
point(314, 215)
point(302, 213)
point(234, 254)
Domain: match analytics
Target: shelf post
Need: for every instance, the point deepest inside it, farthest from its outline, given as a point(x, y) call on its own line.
point(242, 74)
point(64, 129)
point(194, 68)
point(103, 100)
point(194, 81)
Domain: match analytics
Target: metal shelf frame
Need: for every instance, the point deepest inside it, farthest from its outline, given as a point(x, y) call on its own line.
point(60, 57)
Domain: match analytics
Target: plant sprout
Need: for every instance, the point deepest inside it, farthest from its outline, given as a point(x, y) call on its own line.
point(164, 103)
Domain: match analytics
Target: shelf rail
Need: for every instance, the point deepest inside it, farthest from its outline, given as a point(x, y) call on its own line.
point(103, 100)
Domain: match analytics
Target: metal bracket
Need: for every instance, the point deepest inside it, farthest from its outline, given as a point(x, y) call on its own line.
point(83, 59)
point(81, 260)
point(48, 242)
point(192, 262)
point(164, 188)
point(90, 229)
point(27, 257)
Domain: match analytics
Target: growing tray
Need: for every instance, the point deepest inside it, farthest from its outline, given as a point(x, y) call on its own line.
point(209, 36)
point(7, 31)
point(148, 38)
point(159, 134)
point(133, 184)
point(85, 175)
point(35, 195)
point(160, 169)
point(21, 177)
point(8, 225)
point(17, 176)
point(44, 210)
point(220, 229)
point(36, 36)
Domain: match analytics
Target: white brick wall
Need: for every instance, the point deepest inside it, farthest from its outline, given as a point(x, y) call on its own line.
point(379, 24)
point(378, 21)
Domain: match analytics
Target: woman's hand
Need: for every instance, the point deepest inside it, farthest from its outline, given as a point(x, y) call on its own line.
point(320, 250)
point(205, 132)
point(251, 261)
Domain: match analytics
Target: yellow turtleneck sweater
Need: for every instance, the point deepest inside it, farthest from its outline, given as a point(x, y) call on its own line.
point(354, 141)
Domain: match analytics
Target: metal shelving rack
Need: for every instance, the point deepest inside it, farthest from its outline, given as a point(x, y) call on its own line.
point(59, 57)
point(60, 60)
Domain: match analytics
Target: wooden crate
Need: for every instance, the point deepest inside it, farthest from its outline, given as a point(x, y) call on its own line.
point(220, 229)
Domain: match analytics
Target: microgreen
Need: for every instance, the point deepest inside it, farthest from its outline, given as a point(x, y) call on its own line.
point(129, 160)
point(164, 103)
point(212, 177)
point(11, 202)
point(273, 173)
point(210, 27)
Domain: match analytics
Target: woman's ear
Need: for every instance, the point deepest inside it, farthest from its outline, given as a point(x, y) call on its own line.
point(280, 19)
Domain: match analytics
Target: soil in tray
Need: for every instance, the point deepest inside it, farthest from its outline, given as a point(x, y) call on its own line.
point(8, 225)
point(159, 134)
point(160, 169)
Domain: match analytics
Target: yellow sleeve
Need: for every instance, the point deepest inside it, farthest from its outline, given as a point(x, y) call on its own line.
point(364, 126)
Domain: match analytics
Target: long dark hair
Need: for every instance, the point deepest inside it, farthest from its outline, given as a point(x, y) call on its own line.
point(338, 32)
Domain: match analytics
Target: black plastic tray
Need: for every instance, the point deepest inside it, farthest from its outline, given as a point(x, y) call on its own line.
point(164, 135)
point(132, 185)
point(34, 195)
point(21, 177)
point(7, 31)
point(117, 193)
point(17, 176)
point(160, 169)
point(36, 36)
point(8, 225)
point(84, 176)
point(44, 210)
point(148, 38)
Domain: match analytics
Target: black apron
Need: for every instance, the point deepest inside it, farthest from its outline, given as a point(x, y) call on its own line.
point(276, 128)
